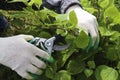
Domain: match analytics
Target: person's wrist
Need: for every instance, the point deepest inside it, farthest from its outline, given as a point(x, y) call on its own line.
point(74, 7)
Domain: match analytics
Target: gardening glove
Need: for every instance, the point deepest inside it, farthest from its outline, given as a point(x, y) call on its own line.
point(88, 23)
point(19, 55)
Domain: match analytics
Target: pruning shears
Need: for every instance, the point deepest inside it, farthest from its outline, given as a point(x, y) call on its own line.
point(49, 45)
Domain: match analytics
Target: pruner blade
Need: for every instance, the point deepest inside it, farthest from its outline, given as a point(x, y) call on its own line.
point(60, 48)
point(49, 45)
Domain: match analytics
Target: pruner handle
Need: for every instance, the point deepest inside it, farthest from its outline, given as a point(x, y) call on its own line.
point(31, 41)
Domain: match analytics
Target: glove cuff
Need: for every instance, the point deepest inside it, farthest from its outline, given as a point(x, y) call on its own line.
point(67, 4)
point(74, 7)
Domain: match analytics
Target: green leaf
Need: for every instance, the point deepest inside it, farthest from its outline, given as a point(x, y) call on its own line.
point(85, 3)
point(91, 10)
point(51, 70)
point(44, 35)
point(91, 64)
point(118, 65)
point(88, 72)
point(104, 3)
point(75, 67)
point(117, 4)
point(87, 6)
point(24, 1)
point(70, 38)
point(45, 14)
point(36, 2)
point(18, 22)
point(62, 32)
point(62, 75)
point(115, 36)
point(67, 55)
point(115, 27)
point(62, 59)
point(113, 50)
point(112, 12)
point(61, 17)
point(82, 40)
point(81, 76)
point(104, 72)
point(111, 54)
point(50, 73)
point(73, 18)
point(105, 31)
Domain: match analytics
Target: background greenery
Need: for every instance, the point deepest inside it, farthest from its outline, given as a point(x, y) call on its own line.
point(73, 63)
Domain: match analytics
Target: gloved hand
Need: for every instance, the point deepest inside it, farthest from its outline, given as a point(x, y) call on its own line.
point(19, 55)
point(87, 22)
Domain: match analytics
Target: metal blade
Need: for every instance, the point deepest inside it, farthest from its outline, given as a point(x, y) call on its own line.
point(60, 48)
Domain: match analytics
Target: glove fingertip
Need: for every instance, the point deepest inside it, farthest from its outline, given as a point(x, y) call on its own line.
point(96, 44)
point(28, 37)
point(89, 44)
point(34, 76)
point(51, 60)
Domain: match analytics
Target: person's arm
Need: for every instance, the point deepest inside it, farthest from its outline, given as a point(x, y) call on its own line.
point(85, 20)
point(59, 6)
point(3, 24)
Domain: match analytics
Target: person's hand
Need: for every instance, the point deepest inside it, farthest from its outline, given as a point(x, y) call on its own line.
point(87, 22)
point(19, 55)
